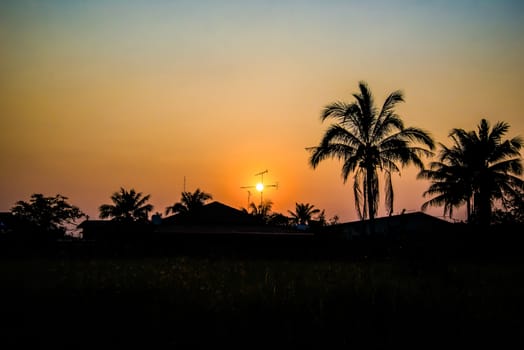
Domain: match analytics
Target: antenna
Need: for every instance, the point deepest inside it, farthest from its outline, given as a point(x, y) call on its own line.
point(260, 186)
point(262, 173)
point(248, 197)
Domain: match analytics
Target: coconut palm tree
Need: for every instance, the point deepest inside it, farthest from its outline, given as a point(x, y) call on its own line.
point(190, 203)
point(449, 184)
point(261, 211)
point(479, 169)
point(370, 141)
point(128, 206)
point(303, 213)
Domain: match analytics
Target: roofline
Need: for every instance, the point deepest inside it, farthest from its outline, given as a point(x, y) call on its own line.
point(397, 215)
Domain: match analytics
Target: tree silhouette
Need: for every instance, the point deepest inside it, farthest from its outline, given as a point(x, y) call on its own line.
point(370, 141)
point(190, 203)
point(303, 213)
point(449, 184)
point(512, 210)
point(47, 214)
point(262, 211)
point(128, 206)
point(477, 170)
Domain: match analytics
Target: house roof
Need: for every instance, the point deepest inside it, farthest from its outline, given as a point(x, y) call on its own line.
point(416, 221)
point(414, 216)
point(93, 224)
point(215, 218)
point(215, 213)
point(218, 218)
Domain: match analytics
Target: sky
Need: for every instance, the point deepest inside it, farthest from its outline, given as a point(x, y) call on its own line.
point(167, 96)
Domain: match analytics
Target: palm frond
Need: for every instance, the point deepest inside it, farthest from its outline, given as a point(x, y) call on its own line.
point(336, 110)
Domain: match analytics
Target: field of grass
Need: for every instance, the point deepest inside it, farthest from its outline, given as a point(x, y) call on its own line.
point(173, 300)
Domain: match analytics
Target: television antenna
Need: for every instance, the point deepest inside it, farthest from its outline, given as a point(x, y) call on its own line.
point(260, 186)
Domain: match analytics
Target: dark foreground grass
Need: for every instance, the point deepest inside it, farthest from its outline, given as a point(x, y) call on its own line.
point(191, 301)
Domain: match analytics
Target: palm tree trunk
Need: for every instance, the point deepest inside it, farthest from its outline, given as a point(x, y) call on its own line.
point(371, 206)
point(484, 210)
point(468, 210)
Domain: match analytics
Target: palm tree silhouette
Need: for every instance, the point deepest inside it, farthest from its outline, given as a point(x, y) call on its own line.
point(262, 211)
point(128, 206)
point(477, 170)
point(303, 213)
point(190, 203)
point(449, 183)
point(370, 141)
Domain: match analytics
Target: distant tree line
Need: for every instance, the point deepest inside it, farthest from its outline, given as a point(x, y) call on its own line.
point(480, 170)
point(42, 217)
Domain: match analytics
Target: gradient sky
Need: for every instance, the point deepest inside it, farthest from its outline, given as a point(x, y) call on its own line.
point(95, 95)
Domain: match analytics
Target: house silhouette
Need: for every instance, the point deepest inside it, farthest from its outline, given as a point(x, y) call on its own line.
point(418, 223)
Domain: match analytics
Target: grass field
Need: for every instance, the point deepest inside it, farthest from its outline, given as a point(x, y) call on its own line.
point(184, 300)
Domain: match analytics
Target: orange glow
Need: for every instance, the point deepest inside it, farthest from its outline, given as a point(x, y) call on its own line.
point(95, 98)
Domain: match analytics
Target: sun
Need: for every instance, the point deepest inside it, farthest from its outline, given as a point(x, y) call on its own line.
point(260, 187)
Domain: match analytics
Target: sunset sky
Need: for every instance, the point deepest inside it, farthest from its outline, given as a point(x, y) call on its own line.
point(98, 95)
